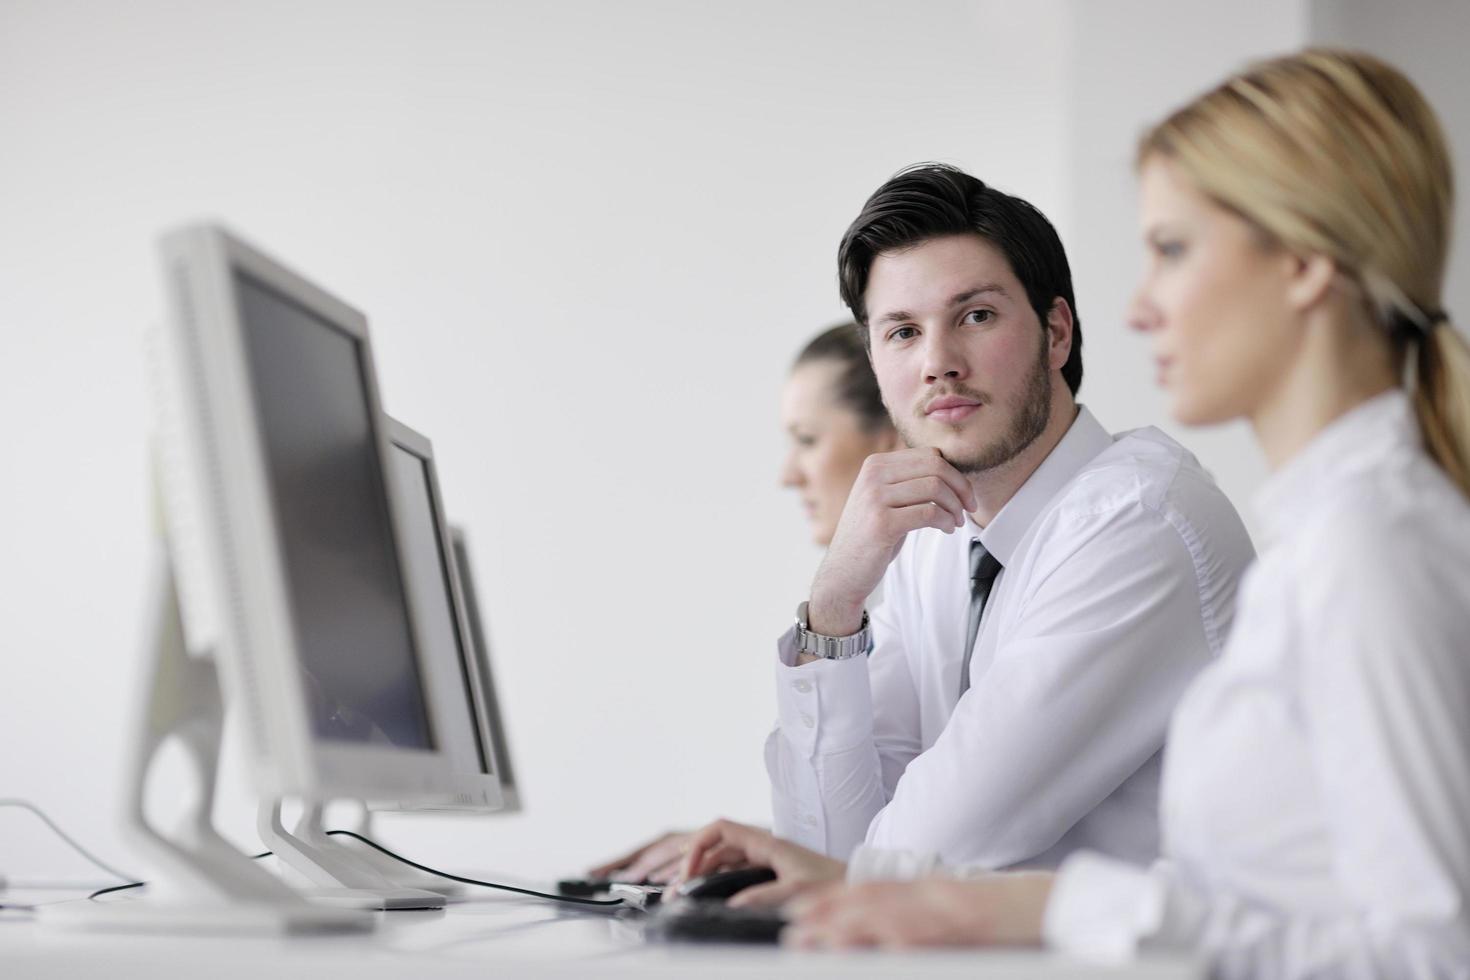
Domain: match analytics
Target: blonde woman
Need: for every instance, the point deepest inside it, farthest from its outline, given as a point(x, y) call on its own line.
point(1316, 795)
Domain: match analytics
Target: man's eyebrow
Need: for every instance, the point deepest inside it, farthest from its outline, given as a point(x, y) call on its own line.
point(990, 287)
point(898, 316)
point(895, 316)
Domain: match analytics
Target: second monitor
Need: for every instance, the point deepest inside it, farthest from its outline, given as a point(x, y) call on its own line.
point(461, 686)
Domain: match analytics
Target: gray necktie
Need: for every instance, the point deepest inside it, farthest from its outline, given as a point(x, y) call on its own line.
point(983, 570)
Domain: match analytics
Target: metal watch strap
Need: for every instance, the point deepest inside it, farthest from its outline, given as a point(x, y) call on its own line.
point(831, 647)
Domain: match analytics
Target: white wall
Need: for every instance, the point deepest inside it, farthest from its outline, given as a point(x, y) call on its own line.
point(589, 237)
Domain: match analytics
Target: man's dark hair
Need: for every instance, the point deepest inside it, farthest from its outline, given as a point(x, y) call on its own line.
point(933, 200)
point(857, 388)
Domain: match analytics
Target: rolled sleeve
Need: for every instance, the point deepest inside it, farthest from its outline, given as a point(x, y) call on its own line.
point(881, 864)
point(1101, 909)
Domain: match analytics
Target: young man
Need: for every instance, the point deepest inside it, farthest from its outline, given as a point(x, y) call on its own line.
point(1049, 589)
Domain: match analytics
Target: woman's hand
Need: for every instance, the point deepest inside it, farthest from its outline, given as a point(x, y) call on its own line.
point(726, 844)
point(1004, 909)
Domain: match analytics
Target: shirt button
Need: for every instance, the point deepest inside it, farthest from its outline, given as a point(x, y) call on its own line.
point(808, 720)
point(803, 687)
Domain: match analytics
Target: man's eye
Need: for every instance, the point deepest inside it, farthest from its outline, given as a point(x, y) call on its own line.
point(903, 333)
point(979, 316)
point(806, 442)
point(1169, 249)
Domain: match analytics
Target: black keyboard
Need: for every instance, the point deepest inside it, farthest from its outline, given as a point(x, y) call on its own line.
point(693, 921)
point(590, 887)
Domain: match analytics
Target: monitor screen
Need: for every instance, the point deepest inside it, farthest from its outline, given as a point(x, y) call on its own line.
point(348, 606)
point(427, 567)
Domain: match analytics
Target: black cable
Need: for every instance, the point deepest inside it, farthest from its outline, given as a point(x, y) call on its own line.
point(605, 903)
point(139, 884)
point(41, 815)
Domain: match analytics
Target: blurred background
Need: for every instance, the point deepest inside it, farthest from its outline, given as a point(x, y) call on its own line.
point(589, 237)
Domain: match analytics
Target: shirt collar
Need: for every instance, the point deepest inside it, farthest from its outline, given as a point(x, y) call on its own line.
point(1084, 440)
point(1354, 442)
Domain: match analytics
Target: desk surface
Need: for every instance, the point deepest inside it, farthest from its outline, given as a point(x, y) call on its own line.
point(490, 936)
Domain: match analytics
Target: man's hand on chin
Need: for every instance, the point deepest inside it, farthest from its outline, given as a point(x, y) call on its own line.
point(895, 493)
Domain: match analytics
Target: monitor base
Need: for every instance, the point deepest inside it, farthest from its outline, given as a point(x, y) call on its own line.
point(201, 882)
point(374, 899)
point(334, 873)
point(238, 919)
point(400, 874)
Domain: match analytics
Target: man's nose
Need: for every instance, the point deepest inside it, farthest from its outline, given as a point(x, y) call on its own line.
point(944, 358)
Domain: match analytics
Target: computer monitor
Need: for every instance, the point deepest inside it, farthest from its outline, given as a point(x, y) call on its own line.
point(302, 547)
point(456, 679)
point(510, 789)
point(297, 530)
point(285, 585)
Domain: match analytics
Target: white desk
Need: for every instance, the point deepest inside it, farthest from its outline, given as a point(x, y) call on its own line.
point(484, 938)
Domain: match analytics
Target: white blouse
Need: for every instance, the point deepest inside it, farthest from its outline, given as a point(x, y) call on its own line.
point(1315, 803)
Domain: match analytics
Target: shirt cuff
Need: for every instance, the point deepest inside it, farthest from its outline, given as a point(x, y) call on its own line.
point(1102, 909)
point(870, 863)
point(825, 706)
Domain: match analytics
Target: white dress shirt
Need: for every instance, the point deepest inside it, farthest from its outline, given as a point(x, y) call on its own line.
point(1121, 559)
point(1316, 800)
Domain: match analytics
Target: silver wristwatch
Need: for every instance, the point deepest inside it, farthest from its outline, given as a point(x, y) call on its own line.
point(832, 647)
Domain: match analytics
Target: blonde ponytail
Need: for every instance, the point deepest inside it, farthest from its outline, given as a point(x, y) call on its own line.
point(1442, 400)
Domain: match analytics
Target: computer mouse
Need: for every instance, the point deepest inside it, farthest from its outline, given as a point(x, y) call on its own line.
point(722, 884)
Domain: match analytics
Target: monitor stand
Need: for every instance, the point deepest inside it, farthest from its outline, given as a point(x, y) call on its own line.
point(204, 884)
point(337, 875)
point(397, 872)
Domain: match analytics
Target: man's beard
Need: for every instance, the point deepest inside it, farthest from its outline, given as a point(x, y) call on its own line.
point(1030, 414)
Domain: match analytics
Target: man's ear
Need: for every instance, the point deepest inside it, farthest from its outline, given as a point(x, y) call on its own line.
point(1310, 278)
point(1059, 333)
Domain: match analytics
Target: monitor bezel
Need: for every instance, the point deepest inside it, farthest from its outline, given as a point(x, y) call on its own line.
point(510, 791)
point(480, 791)
point(253, 633)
